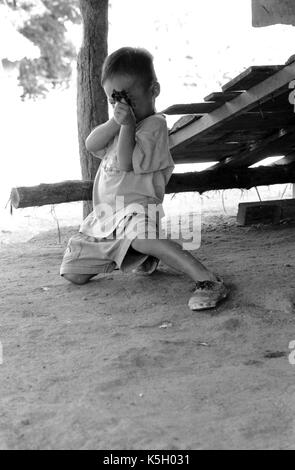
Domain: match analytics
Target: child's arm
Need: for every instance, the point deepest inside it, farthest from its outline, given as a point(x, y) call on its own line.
point(124, 116)
point(99, 138)
point(126, 144)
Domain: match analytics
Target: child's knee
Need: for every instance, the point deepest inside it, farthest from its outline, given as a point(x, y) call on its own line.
point(77, 278)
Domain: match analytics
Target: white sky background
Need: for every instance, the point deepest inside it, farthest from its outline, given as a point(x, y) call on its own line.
point(198, 45)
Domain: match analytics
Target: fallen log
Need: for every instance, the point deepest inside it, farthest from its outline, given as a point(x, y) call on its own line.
point(246, 178)
point(55, 193)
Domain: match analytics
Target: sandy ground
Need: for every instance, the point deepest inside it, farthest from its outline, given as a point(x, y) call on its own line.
point(122, 363)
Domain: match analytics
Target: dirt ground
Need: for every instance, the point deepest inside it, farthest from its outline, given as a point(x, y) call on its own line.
point(122, 363)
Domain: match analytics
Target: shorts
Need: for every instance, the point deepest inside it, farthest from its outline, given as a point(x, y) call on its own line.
point(89, 255)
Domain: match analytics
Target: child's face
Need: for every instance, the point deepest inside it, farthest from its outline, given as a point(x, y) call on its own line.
point(142, 99)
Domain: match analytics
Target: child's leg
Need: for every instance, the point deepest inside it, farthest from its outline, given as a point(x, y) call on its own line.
point(172, 254)
point(83, 259)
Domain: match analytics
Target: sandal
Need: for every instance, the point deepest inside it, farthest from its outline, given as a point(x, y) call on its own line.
point(148, 267)
point(207, 294)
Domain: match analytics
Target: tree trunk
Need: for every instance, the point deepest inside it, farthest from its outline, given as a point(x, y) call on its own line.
point(92, 107)
point(246, 178)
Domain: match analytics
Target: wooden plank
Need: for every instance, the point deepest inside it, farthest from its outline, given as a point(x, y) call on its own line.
point(192, 157)
point(184, 121)
point(288, 208)
point(238, 105)
point(247, 137)
point(275, 103)
point(207, 153)
point(204, 153)
point(251, 77)
point(250, 121)
point(200, 157)
point(209, 138)
point(257, 213)
point(284, 114)
point(286, 160)
point(225, 147)
point(224, 136)
point(265, 211)
point(241, 136)
point(190, 108)
point(244, 139)
point(250, 158)
point(231, 155)
point(220, 97)
point(257, 151)
point(282, 161)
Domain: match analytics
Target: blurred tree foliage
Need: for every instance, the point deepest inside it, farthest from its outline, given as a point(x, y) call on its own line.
point(43, 22)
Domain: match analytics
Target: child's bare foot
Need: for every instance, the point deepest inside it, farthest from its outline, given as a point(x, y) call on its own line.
point(148, 267)
point(207, 294)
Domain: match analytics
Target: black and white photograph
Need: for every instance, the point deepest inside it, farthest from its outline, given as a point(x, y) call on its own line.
point(147, 227)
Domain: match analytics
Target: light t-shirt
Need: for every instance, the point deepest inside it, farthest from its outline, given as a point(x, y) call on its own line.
point(117, 193)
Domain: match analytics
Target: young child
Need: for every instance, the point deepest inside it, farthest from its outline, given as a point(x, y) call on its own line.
point(135, 168)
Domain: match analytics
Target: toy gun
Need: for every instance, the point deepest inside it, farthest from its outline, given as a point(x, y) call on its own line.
point(119, 95)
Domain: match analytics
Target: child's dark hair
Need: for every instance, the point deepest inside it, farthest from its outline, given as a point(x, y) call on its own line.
point(132, 61)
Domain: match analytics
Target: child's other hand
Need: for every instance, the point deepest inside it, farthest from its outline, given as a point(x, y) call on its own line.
point(123, 114)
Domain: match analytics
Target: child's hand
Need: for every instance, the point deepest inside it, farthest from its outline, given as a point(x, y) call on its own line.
point(123, 114)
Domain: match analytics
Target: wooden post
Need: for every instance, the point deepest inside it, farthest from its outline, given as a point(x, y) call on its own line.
point(92, 107)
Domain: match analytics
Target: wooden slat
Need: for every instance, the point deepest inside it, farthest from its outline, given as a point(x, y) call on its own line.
point(243, 136)
point(280, 139)
point(261, 151)
point(247, 127)
point(258, 213)
point(255, 120)
point(207, 153)
point(184, 121)
point(275, 103)
point(284, 114)
point(229, 111)
point(286, 160)
point(209, 138)
point(250, 77)
point(197, 157)
point(216, 147)
point(220, 97)
point(190, 108)
point(240, 137)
